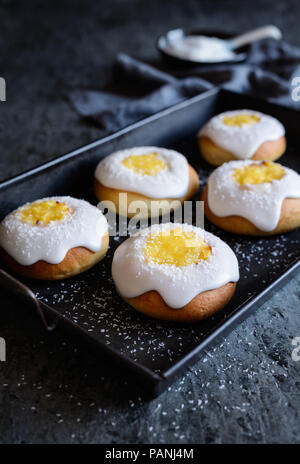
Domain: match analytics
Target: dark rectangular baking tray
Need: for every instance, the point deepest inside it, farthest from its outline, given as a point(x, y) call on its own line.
point(150, 351)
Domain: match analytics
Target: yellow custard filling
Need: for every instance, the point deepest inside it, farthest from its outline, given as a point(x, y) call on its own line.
point(176, 247)
point(241, 120)
point(43, 212)
point(266, 171)
point(149, 164)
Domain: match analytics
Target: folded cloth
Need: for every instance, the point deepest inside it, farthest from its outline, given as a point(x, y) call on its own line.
point(266, 73)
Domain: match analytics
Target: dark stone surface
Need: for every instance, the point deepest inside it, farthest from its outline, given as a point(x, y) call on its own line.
point(246, 388)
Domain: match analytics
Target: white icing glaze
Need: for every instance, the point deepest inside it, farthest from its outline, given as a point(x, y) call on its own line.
point(245, 140)
point(134, 275)
point(259, 203)
point(200, 48)
point(171, 182)
point(28, 243)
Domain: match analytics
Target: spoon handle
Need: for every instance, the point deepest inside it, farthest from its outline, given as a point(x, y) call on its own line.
point(257, 34)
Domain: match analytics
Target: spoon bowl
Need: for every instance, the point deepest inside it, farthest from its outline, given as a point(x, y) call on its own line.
point(163, 41)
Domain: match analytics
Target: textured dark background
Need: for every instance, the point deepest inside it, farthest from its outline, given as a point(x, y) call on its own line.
point(246, 388)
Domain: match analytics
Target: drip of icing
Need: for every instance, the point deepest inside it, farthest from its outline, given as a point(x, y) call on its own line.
point(260, 203)
point(135, 274)
point(29, 242)
point(170, 182)
point(240, 137)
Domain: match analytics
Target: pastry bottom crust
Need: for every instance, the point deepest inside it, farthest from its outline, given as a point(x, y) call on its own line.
point(216, 155)
point(200, 307)
point(289, 219)
point(109, 194)
point(76, 261)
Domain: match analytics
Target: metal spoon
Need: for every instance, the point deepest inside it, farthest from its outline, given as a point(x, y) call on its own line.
point(231, 44)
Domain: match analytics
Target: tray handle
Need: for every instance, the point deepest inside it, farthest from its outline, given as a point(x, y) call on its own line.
point(13, 285)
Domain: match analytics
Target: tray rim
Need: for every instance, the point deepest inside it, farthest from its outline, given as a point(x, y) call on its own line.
point(158, 380)
point(215, 91)
point(107, 138)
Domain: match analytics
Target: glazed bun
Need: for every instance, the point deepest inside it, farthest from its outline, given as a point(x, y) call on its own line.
point(175, 272)
point(149, 181)
point(53, 238)
point(253, 198)
point(128, 205)
point(241, 134)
